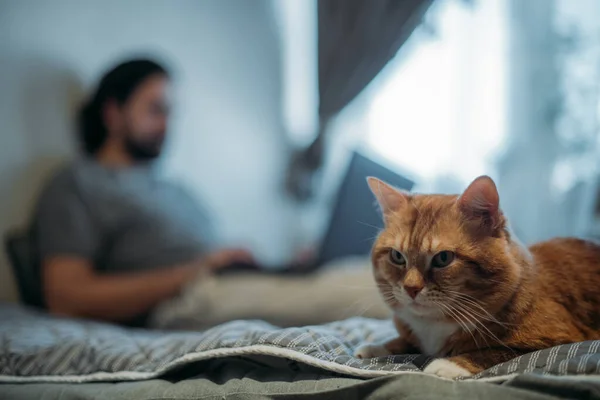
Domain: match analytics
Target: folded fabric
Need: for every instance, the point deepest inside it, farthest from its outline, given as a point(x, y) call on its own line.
point(337, 291)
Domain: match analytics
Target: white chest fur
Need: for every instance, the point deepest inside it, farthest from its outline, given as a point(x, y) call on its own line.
point(431, 333)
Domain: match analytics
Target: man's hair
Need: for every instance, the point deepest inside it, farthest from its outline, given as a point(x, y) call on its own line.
point(118, 84)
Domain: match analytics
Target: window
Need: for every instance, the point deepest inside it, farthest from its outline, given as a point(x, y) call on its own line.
point(438, 109)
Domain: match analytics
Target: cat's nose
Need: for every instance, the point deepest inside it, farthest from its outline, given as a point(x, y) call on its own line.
point(413, 291)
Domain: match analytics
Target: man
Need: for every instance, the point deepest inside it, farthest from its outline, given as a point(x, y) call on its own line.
point(117, 244)
point(114, 240)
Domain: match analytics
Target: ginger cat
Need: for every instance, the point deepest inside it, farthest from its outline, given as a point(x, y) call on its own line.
point(464, 290)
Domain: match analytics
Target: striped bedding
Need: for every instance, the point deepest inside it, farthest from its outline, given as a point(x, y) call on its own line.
point(38, 348)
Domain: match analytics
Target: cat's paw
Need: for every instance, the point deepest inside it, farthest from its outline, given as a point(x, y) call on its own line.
point(371, 351)
point(446, 369)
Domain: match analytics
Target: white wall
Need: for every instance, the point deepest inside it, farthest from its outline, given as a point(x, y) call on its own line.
point(227, 139)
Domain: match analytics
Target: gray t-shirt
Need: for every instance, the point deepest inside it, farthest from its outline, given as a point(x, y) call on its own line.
point(121, 219)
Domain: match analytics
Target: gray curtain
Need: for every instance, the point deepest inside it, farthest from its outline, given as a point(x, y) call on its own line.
point(356, 40)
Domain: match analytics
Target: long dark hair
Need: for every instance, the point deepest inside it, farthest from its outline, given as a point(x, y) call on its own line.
point(117, 84)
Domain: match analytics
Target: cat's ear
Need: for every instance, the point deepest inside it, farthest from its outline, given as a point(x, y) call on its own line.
point(390, 199)
point(480, 202)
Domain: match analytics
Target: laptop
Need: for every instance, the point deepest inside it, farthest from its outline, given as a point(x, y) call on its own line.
point(356, 220)
point(354, 223)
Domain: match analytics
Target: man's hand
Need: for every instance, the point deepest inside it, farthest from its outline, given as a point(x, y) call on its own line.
point(223, 258)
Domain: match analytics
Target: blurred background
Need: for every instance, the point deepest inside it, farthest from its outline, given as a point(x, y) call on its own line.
point(276, 98)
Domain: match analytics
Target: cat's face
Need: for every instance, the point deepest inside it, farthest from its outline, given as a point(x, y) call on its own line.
point(444, 256)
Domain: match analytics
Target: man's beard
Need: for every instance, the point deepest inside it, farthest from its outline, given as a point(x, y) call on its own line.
point(143, 150)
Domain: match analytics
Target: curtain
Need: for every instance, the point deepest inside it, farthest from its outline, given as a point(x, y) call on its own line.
point(356, 38)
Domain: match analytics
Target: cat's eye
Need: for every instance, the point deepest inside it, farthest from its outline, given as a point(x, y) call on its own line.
point(442, 259)
point(397, 258)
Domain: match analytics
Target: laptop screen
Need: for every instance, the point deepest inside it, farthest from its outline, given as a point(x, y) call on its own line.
point(356, 220)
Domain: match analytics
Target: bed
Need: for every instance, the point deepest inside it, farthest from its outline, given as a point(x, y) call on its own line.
point(49, 357)
point(53, 358)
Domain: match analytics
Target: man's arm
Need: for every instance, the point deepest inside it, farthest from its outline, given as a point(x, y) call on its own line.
point(72, 288)
point(69, 240)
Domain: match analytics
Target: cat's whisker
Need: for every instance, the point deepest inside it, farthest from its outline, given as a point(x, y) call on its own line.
point(454, 294)
point(365, 309)
point(370, 239)
point(464, 295)
point(473, 326)
point(446, 312)
point(461, 294)
point(477, 325)
point(479, 315)
point(384, 285)
point(378, 228)
point(385, 288)
point(362, 311)
point(486, 317)
point(388, 296)
point(449, 312)
point(479, 309)
point(458, 296)
point(464, 326)
point(488, 332)
point(492, 336)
